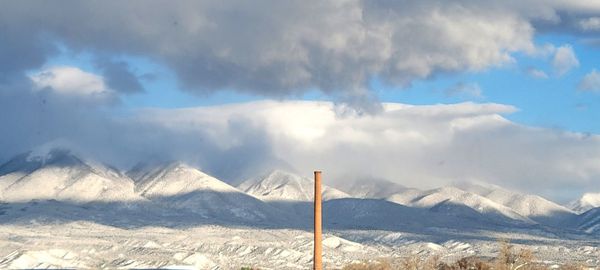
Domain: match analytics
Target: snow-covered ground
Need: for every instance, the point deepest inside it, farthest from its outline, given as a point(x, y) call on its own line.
point(89, 245)
point(59, 210)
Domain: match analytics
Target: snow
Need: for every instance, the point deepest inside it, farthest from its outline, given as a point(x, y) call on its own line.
point(181, 186)
point(531, 206)
point(335, 242)
point(280, 185)
point(62, 211)
point(590, 221)
point(526, 204)
point(585, 203)
point(453, 195)
point(175, 179)
point(63, 176)
point(89, 245)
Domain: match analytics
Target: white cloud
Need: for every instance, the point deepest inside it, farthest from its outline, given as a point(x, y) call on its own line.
point(465, 90)
point(70, 81)
point(564, 60)
point(419, 146)
point(590, 24)
point(537, 73)
point(590, 82)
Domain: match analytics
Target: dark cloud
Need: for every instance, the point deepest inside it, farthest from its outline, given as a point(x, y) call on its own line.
point(45, 119)
point(281, 49)
point(119, 77)
point(581, 19)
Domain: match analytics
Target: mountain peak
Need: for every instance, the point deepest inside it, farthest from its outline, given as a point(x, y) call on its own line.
point(531, 206)
point(287, 186)
point(586, 202)
point(59, 174)
point(175, 178)
point(34, 160)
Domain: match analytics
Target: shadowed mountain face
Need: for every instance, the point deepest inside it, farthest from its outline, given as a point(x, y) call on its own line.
point(29, 162)
point(61, 187)
point(590, 221)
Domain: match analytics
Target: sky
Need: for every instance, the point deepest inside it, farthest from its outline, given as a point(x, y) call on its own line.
point(422, 93)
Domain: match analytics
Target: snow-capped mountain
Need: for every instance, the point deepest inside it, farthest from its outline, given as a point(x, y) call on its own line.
point(585, 203)
point(531, 206)
point(61, 175)
point(181, 186)
point(174, 179)
point(453, 198)
point(279, 185)
point(290, 193)
point(278, 197)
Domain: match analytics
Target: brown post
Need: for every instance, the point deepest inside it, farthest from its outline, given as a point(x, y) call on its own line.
point(317, 259)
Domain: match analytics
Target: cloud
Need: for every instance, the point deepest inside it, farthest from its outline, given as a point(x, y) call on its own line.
point(420, 146)
point(465, 90)
point(564, 60)
point(119, 76)
point(537, 73)
point(70, 81)
point(590, 24)
point(590, 82)
point(283, 49)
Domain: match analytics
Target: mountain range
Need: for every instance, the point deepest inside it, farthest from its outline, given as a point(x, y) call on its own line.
point(175, 194)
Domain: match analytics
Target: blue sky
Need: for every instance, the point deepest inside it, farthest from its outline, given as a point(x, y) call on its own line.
point(554, 102)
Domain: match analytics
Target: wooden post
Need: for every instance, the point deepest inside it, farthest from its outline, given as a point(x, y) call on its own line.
point(317, 259)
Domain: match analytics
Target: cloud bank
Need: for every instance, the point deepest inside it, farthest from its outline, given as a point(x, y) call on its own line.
point(421, 146)
point(282, 49)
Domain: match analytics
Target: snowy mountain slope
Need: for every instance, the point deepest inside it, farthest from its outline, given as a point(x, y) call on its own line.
point(181, 186)
point(585, 203)
point(406, 197)
point(590, 221)
point(278, 198)
point(451, 196)
point(372, 188)
point(60, 175)
point(174, 179)
point(284, 186)
point(531, 206)
point(378, 214)
point(289, 193)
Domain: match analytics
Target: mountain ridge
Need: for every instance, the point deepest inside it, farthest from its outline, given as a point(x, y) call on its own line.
point(279, 196)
